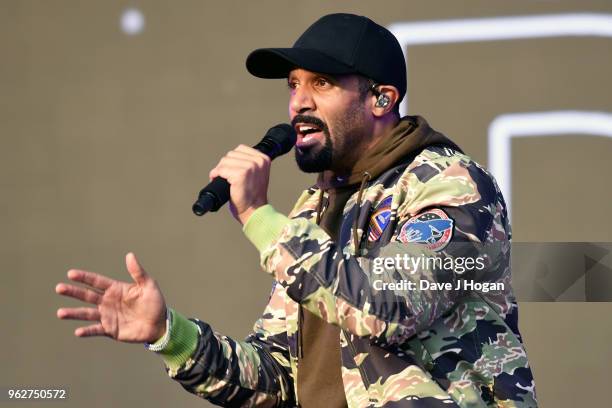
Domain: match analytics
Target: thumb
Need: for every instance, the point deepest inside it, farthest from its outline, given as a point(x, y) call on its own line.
point(136, 271)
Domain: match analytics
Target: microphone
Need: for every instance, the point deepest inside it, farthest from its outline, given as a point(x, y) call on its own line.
point(277, 141)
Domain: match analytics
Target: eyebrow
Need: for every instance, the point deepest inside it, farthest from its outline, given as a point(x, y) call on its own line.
point(334, 78)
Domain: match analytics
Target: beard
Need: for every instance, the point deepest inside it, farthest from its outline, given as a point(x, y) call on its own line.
point(338, 153)
point(315, 159)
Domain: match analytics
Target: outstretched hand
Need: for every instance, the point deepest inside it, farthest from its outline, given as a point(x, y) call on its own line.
point(133, 312)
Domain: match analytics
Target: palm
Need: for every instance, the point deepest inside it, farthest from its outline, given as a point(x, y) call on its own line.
point(129, 312)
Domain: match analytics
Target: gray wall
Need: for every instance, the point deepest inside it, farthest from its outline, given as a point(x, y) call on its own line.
point(106, 138)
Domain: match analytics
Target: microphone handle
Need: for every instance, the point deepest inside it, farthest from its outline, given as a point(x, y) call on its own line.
point(212, 200)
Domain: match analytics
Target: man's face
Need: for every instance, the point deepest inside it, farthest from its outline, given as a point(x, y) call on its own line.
point(331, 118)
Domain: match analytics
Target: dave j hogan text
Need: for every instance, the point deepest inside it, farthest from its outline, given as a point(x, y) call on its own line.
point(462, 284)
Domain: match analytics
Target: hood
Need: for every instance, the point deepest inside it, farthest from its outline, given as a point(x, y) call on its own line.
point(408, 138)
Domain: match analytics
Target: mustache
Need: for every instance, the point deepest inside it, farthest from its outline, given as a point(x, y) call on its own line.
point(311, 120)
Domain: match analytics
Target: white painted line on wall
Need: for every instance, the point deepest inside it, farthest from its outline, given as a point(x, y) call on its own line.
point(499, 28)
point(534, 124)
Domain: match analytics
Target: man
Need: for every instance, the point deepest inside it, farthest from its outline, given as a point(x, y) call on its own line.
point(352, 320)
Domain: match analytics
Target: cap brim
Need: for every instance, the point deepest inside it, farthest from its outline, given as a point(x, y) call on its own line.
point(278, 62)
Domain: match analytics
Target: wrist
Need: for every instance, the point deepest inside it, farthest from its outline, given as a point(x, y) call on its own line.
point(161, 327)
point(183, 338)
point(244, 216)
point(265, 226)
point(162, 337)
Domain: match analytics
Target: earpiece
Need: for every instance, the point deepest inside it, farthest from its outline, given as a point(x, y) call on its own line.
point(382, 101)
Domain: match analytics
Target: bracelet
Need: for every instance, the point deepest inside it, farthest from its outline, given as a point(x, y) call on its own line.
point(161, 344)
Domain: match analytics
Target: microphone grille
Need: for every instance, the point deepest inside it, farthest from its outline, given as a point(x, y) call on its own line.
point(284, 136)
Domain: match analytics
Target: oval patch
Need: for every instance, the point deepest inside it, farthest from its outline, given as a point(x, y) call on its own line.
point(434, 228)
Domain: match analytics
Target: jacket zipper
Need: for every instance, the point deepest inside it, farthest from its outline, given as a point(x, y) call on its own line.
point(364, 376)
point(364, 181)
point(362, 373)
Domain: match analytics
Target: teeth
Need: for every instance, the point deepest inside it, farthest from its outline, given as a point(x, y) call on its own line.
point(306, 128)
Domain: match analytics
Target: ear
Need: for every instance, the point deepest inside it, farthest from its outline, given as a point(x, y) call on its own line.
point(391, 93)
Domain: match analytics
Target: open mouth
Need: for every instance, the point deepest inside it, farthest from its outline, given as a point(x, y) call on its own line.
point(308, 135)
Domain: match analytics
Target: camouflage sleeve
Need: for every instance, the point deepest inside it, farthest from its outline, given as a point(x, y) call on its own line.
point(250, 373)
point(349, 291)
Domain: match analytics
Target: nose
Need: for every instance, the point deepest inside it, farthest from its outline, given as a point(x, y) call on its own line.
point(301, 101)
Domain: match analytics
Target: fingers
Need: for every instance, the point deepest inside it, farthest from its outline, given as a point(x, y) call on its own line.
point(79, 313)
point(92, 279)
point(92, 330)
point(136, 271)
point(84, 294)
point(227, 168)
point(243, 158)
point(240, 155)
point(243, 151)
point(249, 150)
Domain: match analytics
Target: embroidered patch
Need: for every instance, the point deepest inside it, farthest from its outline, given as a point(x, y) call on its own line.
point(380, 219)
point(434, 228)
point(274, 282)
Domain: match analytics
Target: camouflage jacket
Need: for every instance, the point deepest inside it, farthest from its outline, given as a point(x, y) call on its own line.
point(400, 347)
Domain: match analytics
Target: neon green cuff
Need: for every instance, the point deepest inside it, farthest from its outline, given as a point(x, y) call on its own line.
point(182, 343)
point(264, 226)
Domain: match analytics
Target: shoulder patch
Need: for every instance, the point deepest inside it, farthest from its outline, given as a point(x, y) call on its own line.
point(380, 219)
point(434, 228)
point(273, 287)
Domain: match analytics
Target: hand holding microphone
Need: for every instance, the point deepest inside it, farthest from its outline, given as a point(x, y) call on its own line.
point(248, 173)
point(243, 174)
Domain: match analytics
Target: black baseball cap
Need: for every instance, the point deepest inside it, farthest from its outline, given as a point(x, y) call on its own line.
point(337, 44)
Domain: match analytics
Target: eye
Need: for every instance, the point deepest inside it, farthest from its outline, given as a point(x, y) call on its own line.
point(322, 82)
point(292, 84)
